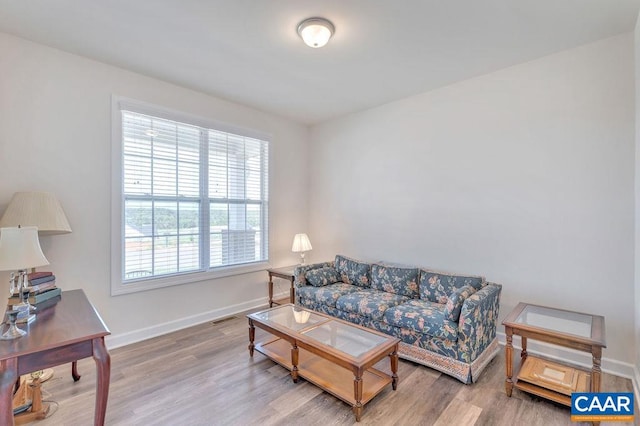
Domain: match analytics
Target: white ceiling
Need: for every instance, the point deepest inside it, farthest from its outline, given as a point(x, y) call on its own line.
point(248, 51)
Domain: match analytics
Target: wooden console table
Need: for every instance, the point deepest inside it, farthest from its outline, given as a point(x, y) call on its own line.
point(65, 332)
point(548, 379)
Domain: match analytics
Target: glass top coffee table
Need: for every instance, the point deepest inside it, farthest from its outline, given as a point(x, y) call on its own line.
point(550, 379)
point(324, 350)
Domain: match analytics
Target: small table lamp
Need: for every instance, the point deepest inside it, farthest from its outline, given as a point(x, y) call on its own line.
point(301, 244)
point(20, 250)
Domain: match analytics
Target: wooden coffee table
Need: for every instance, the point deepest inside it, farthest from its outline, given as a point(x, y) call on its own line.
point(323, 350)
point(551, 379)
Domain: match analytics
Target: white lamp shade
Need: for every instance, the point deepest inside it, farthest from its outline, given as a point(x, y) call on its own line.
point(301, 243)
point(315, 32)
point(40, 209)
point(20, 249)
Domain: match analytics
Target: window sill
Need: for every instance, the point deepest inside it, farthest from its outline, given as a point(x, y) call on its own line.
point(143, 284)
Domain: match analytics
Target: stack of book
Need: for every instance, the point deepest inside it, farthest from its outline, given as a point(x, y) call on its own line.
point(42, 291)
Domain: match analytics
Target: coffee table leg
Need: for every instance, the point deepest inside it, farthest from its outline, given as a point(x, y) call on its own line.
point(252, 336)
point(394, 368)
point(508, 384)
point(357, 387)
point(294, 362)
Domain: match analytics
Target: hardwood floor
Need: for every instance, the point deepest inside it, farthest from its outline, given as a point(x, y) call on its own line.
point(204, 376)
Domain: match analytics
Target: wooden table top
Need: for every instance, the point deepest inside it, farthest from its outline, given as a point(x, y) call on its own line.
point(73, 319)
point(284, 270)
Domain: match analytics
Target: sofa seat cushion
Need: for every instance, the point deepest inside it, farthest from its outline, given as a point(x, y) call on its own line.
point(403, 281)
point(328, 294)
point(424, 317)
point(322, 276)
point(436, 286)
point(353, 272)
point(369, 303)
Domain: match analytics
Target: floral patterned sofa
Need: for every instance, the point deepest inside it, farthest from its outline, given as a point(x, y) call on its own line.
point(444, 321)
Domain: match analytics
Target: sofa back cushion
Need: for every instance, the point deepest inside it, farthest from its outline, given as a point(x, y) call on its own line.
point(322, 276)
point(455, 301)
point(436, 286)
point(402, 281)
point(353, 272)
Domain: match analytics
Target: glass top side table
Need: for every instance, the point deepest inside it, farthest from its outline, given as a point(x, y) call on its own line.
point(548, 379)
point(285, 273)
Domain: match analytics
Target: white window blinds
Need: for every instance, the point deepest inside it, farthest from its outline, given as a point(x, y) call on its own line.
point(194, 198)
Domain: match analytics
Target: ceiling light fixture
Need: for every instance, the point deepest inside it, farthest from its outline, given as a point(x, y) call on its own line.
point(316, 32)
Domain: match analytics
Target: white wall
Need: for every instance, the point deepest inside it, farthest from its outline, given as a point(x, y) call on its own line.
point(55, 121)
point(525, 175)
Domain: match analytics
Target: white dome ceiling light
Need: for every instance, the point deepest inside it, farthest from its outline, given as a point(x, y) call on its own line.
point(316, 32)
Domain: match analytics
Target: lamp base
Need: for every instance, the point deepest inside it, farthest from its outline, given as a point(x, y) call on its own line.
point(12, 332)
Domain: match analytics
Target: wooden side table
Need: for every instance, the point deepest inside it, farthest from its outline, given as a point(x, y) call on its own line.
point(285, 273)
point(549, 379)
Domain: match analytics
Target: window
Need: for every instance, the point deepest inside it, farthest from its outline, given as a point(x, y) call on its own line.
point(193, 199)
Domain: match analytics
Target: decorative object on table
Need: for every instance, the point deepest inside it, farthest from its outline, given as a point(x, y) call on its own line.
point(41, 280)
point(13, 332)
point(39, 209)
point(301, 244)
point(20, 250)
point(35, 299)
point(24, 308)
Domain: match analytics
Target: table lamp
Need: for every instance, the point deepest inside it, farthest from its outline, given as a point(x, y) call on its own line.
point(19, 250)
point(40, 209)
point(301, 244)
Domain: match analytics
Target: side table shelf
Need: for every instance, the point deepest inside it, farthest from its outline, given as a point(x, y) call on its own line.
point(551, 380)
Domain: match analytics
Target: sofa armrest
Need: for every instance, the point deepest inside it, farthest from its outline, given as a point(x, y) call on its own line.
point(300, 271)
point(478, 322)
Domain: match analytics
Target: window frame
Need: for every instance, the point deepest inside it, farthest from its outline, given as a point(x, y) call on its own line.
point(118, 286)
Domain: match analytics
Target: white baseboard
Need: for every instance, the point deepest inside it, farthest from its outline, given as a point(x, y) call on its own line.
point(578, 358)
point(118, 340)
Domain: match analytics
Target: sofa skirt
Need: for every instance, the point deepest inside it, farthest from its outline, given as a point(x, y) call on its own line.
point(466, 373)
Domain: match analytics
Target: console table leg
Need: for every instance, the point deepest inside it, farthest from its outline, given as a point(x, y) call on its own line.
point(74, 371)
point(8, 377)
point(103, 367)
point(252, 337)
point(508, 384)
